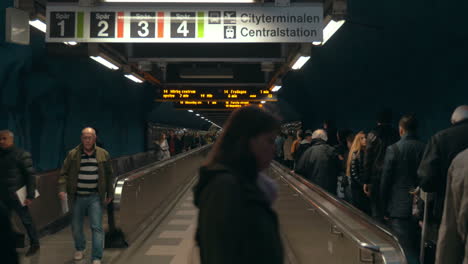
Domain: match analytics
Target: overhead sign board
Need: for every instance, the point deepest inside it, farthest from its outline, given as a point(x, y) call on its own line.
point(299, 22)
point(217, 94)
point(212, 105)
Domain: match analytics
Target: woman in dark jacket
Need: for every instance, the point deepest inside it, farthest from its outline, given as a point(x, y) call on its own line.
point(236, 223)
point(355, 170)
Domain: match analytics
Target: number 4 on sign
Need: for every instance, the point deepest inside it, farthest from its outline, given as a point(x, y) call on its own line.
point(183, 29)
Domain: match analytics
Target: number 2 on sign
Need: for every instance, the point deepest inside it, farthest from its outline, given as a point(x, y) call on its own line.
point(183, 29)
point(105, 26)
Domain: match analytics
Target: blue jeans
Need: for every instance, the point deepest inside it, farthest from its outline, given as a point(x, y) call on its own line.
point(93, 206)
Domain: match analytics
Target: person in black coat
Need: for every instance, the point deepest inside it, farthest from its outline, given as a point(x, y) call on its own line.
point(16, 171)
point(441, 149)
point(320, 163)
point(399, 180)
point(7, 237)
point(377, 142)
point(236, 221)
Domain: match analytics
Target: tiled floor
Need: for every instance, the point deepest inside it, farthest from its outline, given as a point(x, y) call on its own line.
point(173, 241)
point(170, 243)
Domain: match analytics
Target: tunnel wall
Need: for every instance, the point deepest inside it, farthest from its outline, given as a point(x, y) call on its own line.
point(410, 56)
point(46, 101)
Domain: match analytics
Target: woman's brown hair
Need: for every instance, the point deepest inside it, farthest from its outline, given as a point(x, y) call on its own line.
point(232, 147)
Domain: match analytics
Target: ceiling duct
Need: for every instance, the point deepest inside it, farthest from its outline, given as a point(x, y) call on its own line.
point(206, 73)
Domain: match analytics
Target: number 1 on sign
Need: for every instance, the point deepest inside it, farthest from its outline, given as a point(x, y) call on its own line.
point(62, 27)
point(183, 29)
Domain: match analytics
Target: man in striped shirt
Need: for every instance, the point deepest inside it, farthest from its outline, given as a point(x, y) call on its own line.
point(87, 179)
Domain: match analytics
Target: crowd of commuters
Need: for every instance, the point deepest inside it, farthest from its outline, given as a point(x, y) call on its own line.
point(386, 173)
point(173, 142)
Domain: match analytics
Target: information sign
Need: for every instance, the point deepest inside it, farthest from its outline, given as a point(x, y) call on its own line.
point(210, 94)
point(299, 22)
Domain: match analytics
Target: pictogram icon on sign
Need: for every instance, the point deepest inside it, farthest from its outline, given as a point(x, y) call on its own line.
point(230, 17)
point(229, 32)
point(214, 17)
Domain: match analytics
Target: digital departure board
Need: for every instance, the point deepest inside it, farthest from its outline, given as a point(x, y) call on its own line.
point(215, 94)
point(213, 105)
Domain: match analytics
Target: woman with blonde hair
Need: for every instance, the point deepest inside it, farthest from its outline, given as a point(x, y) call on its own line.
point(355, 170)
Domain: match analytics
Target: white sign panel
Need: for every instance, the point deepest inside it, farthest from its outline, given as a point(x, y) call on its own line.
point(300, 22)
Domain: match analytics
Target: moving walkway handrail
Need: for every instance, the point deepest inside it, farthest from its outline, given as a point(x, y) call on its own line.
point(390, 253)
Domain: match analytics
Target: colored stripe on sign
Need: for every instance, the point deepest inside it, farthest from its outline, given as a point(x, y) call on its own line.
point(120, 24)
point(160, 24)
point(80, 25)
point(201, 24)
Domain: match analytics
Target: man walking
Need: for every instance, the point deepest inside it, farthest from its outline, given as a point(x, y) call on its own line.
point(86, 177)
point(16, 172)
point(399, 179)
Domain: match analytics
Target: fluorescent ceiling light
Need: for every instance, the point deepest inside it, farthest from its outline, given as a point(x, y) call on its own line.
point(38, 24)
point(71, 43)
point(191, 111)
point(317, 43)
point(331, 28)
point(105, 62)
point(276, 88)
point(179, 1)
point(263, 102)
point(300, 62)
point(134, 78)
point(197, 114)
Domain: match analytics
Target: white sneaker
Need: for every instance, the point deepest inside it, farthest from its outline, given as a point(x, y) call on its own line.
point(96, 261)
point(79, 255)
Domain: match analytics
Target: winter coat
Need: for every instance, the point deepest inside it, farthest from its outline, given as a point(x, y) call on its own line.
point(399, 176)
point(303, 146)
point(320, 164)
point(357, 168)
point(68, 181)
point(452, 245)
point(16, 171)
point(236, 223)
point(377, 142)
point(440, 151)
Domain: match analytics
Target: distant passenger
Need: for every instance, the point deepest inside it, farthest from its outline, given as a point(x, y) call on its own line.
point(440, 151)
point(342, 150)
point(288, 157)
point(377, 142)
point(303, 146)
point(297, 142)
point(399, 180)
point(355, 171)
point(279, 144)
point(16, 171)
point(87, 179)
point(236, 222)
point(330, 128)
point(320, 163)
point(162, 147)
point(172, 141)
point(452, 246)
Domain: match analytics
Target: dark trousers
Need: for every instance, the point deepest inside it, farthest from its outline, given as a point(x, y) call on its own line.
point(13, 204)
point(407, 236)
point(359, 198)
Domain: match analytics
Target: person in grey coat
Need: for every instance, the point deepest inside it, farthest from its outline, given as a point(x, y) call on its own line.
point(320, 163)
point(399, 180)
point(452, 246)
